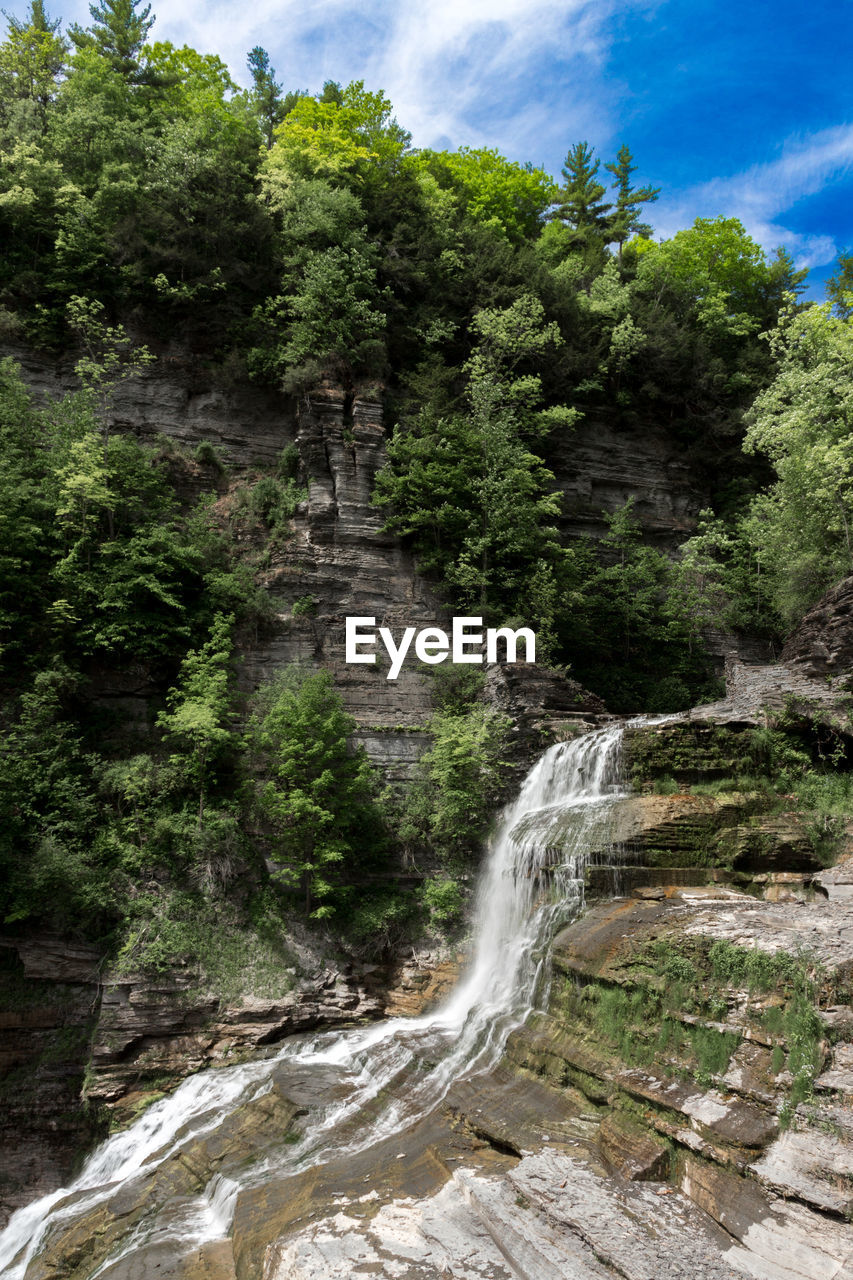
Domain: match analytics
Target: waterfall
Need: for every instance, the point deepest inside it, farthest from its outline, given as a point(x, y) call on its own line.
point(530, 885)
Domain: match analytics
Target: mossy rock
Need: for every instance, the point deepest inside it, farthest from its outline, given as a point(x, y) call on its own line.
point(688, 752)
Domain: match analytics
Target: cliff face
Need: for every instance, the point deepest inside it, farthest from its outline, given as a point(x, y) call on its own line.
point(341, 562)
point(338, 561)
point(821, 647)
point(600, 464)
point(48, 1012)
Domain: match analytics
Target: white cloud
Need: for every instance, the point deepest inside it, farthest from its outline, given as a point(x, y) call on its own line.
point(523, 75)
point(762, 194)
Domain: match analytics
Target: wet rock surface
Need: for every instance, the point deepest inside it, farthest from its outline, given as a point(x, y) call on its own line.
point(66, 1022)
point(154, 1030)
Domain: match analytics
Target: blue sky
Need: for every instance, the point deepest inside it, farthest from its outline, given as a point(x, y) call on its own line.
point(737, 108)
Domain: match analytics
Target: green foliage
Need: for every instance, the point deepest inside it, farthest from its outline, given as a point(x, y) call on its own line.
point(230, 954)
point(32, 58)
point(381, 919)
point(470, 489)
point(625, 221)
point(208, 455)
point(581, 206)
point(499, 192)
point(620, 1017)
point(461, 779)
point(117, 33)
point(97, 559)
point(315, 793)
point(455, 688)
point(803, 421)
point(738, 966)
point(799, 1022)
point(274, 501)
point(304, 607)
point(839, 288)
point(352, 139)
point(49, 811)
point(196, 724)
point(268, 101)
point(631, 602)
point(443, 900)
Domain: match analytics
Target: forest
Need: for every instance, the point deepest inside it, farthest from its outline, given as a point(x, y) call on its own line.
point(287, 237)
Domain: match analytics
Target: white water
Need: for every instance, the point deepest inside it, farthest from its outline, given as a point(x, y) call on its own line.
point(522, 898)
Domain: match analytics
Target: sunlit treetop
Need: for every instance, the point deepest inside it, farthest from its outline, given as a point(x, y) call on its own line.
point(351, 141)
point(493, 189)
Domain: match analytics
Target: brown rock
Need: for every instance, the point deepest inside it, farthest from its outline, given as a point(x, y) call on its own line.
point(631, 1151)
point(822, 644)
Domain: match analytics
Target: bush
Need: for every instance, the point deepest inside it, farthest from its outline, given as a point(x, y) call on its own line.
point(443, 900)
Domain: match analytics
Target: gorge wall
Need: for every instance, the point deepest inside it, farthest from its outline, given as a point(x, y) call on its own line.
point(64, 1019)
point(338, 557)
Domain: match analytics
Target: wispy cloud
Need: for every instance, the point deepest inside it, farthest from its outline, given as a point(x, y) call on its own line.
point(761, 195)
point(528, 76)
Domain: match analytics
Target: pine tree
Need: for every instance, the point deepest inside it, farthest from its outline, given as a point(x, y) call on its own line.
point(581, 207)
point(270, 105)
point(118, 33)
point(31, 61)
point(839, 288)
point(625, 220)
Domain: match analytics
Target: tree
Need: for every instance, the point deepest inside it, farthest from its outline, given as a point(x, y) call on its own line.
point(803, 421)
point(268, 99)
point(625, 219)
point(349, 139)
point(49, 811)
point(839, 288)
point(109, 356)
point(32, 58)
point(470, 487)
point(580, 205)
point(118, 34)
point(497, 191)
point(316, 791)
point(459, 782)
point(197, 722)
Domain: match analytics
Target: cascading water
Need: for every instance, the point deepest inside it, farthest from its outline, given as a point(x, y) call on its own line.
point(527, 890)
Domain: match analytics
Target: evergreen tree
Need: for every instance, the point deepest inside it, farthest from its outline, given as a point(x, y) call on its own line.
point(118, 33)
point(625, 219)
point(332, 92)
point(31, 61)
point(581, 206)
point(316, 795)
point(270, 105)
point(839, 288)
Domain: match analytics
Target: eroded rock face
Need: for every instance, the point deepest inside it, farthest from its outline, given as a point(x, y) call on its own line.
point(601, 463)
point(65, 1019)
point(822, 645)
point(48, 1009)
